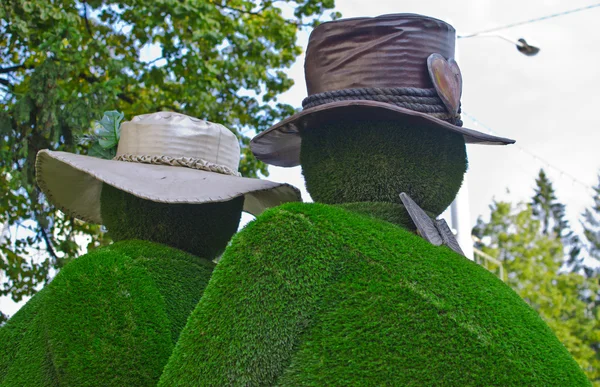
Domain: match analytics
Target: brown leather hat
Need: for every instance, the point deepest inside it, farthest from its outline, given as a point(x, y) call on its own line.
point(391, 67)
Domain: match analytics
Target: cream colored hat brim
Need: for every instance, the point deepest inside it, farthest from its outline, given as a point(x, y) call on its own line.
point(73, 183)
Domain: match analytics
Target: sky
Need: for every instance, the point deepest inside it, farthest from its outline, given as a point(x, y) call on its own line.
point(547, 102)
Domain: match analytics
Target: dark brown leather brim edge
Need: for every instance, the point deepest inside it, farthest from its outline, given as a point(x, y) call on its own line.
point(280, 144)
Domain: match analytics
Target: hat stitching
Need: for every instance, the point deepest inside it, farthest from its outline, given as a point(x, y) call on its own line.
point(46, 190)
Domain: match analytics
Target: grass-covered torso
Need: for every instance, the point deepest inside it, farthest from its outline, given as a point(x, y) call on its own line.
point(338, 295)
point(113, 316)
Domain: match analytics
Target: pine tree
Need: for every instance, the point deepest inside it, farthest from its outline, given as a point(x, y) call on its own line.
point(553, 223)
point(546, 208)
point(591, 224)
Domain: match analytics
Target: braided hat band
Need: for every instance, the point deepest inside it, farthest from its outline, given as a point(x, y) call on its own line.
point(421, 100)
point(188, 162)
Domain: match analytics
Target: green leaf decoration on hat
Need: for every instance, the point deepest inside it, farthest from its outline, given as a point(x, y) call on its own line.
point(105, 136)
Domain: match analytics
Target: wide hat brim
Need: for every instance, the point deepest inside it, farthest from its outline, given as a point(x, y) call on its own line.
point(280, 144)
point(73, 183)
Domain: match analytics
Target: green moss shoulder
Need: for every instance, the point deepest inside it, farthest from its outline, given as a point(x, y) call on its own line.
point(110, 317)
point(310, 294)
point(24, 359)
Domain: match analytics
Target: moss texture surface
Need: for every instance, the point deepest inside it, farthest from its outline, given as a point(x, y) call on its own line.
point(390, 212)
point(374, 161)
point(336, 298)
point(110, 318)
point(24, 359)
point(200, 229)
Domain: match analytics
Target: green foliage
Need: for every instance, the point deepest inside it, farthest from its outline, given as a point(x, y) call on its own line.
point(110, 317)
point(546, 208)
point(64, 62)
point(591, 224)
point(23, 331)
point(336, 298)
point(340, 166)
point(533, 261)
point(551, 213)
point(105, 137)
point(390, 212)
point(199, 229)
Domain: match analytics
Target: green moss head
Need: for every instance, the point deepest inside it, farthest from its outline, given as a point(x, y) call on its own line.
point(373, 161)
point(200, 229)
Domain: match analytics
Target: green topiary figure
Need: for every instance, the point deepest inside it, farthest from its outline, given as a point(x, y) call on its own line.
point(342, 292)
point(113, 316)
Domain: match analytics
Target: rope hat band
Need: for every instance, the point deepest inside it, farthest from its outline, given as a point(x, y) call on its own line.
point(417, 99)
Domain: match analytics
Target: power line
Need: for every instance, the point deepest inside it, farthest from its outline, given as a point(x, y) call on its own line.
point(535, 156)
point(530, 21)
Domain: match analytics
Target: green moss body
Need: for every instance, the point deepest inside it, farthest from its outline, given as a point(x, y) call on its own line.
point(311, 294)
point(390, 212)
point(367, 161)
point(24, 359)
point(109, 318)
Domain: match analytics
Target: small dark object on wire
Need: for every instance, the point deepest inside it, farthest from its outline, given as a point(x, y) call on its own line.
point(527, 49)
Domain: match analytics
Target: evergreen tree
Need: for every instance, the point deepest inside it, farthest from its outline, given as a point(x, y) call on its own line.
point(591, 224)
point(546, 207)
point(553, 223)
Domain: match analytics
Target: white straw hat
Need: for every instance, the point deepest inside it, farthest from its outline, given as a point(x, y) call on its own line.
point(163, 157)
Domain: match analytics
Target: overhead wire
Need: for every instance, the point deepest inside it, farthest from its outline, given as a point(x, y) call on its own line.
point(534, 20)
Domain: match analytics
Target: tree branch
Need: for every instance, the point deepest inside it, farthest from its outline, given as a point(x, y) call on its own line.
point(240, 10)
point(124, 97)
point(6, 83)
point(85, 18)
point(155, 60)
point(49, 246)
point(259, 14)
point(11, 69)
point(94, 79)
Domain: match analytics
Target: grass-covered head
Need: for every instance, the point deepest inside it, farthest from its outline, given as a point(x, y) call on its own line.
point(200, 229)
point(373, 161)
